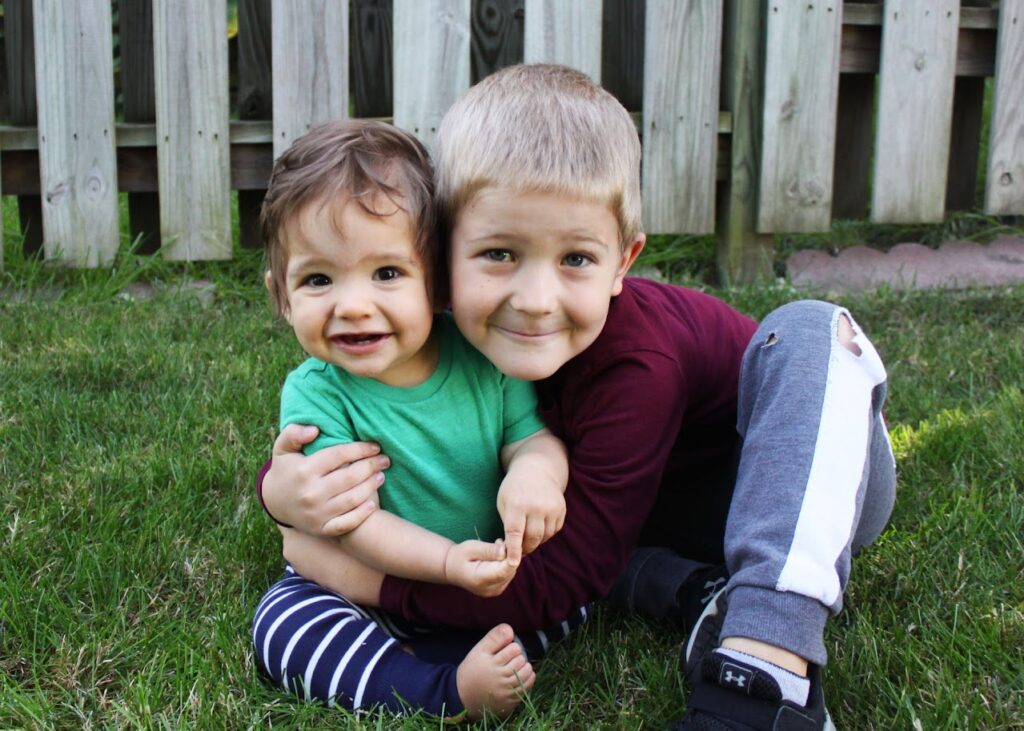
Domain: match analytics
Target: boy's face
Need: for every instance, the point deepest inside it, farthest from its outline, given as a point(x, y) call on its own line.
point(533, 275)
point(357, 292)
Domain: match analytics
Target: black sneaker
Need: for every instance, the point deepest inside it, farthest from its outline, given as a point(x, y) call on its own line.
point(660, 584)
point(734, 696)
point(730, 695)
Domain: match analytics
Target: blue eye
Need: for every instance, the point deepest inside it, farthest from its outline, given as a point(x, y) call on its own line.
point(386, 274)
point(577, 261)
point(498, 255)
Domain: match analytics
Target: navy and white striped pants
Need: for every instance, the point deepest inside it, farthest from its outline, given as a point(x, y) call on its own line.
point(320, 646)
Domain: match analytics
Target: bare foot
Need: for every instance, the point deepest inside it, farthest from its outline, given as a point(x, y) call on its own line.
point(495, 675)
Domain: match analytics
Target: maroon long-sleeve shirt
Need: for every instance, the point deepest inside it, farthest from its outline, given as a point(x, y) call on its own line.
point(651, 403)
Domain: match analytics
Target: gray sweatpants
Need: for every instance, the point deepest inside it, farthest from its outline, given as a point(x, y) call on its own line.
point(816, 478)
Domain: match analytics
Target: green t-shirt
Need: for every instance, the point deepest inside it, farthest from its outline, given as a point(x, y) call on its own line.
point(444, 436)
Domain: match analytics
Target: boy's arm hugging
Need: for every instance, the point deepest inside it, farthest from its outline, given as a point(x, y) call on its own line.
point(531, 499)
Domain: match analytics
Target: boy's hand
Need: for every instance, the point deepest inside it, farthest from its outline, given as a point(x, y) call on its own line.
point(532, 512)
point(479, 567)
point(328, 493)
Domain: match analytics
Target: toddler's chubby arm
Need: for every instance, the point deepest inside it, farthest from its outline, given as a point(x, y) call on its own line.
point(333, 492)
point(476, 566)
point(531, 499)
point(395, 546)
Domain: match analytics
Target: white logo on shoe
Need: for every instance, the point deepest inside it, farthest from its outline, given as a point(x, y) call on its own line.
point(711, 587)
point(738, 680)
point(735, 676)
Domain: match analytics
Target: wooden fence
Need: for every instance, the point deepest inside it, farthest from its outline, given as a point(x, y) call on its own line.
point(756, 117)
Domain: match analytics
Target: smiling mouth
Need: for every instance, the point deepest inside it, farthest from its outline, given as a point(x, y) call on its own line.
point(526, 334)
point(359, 342)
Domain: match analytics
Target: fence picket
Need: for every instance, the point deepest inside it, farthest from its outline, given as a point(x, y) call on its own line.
point(566, 32)
point(915, 110)
point(431, 58)
point(680, 129)
point(310, 67)
point(1004, 190)
point(77, 159)
point(798, 141)
point(191, 70)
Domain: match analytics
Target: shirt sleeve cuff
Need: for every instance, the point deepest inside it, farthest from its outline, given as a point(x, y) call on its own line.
point(259, 492)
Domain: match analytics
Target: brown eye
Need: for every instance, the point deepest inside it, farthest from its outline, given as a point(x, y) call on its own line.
point(386, 274)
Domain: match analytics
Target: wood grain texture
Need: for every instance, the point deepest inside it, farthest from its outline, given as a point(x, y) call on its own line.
point(1004, 187)
point(191, 71)
point(431, 62)
point(623, 36)
point(78, 164)
point(743, 255)
point(371, 57)
point(681, 98)
point(800, 97)
point(310, 68)
point(915, 109)
point(255, 82)
point(498, 28)
point(566, 32)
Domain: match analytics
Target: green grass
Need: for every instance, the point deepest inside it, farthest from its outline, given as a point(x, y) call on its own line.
point(134, 551)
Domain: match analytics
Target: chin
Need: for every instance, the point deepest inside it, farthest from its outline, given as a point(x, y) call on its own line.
point(525, 370)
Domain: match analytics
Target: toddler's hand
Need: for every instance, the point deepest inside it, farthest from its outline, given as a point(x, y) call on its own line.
point(479, 567)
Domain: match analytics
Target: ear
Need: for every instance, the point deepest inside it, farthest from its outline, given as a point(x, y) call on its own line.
point(629, 255)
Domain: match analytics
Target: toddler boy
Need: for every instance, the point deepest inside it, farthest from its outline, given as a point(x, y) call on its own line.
point(352, 258)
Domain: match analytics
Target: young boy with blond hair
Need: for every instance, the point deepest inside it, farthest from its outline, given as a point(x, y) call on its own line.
point(353, 267)
point(696, 436)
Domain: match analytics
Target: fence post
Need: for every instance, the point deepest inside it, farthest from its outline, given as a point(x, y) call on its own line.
point(77, 158)
point(310, 67)
point(743, 254)
point(190, 54)
point(681, 110)
point(567, 32)
point(431, 62)
point(1004, 190)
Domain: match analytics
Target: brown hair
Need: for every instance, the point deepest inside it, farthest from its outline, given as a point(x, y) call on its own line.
point(540, 128)
point(359, 160)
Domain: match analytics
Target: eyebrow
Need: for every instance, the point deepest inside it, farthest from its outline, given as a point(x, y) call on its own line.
point(581, 236)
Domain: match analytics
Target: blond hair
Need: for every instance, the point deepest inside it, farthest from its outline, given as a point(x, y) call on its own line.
point(360, 161)
point(540, 128)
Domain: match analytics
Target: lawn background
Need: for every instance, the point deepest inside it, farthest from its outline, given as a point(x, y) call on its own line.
point(133, 549)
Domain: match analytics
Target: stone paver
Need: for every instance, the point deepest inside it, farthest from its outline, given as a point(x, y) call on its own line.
point(956, 264)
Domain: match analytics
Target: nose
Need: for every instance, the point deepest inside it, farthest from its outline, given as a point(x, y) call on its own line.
point(535, 291)
point(352, 302)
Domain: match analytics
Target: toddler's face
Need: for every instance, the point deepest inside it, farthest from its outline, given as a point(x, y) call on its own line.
point(533, 275)
point(357, 292)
